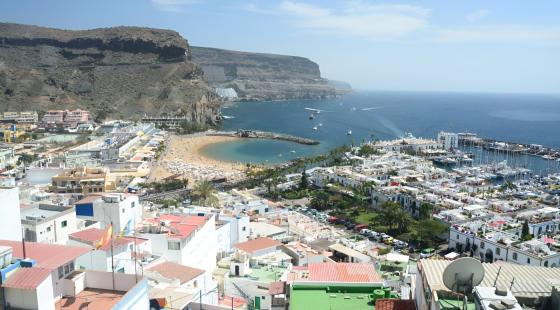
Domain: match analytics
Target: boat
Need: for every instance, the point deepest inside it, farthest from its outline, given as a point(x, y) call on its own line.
point(292, 151)
point(349, 132)
point(228, 117)
point(315, 128)
point(320, 124)
point(311, 116)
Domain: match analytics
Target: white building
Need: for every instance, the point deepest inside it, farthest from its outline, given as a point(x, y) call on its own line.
point(10, 224)
point(500, 246)
point(181, 285)
point(127, 251)
point(48, 223)
point(448, 140)
point(189, 240)
point(120, 210)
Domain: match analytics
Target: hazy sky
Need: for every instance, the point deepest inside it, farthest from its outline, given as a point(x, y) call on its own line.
point(497, 46)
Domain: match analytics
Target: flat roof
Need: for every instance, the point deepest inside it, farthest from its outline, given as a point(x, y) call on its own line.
point(37, 213)
point(528, 281)
point(326, 297)
point(91, 298)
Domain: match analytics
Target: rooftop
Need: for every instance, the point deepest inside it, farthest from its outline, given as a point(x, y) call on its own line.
point(27, 278)
point(536, 281)
point(92, 235)
point(319, 297)
point(172, 270)
point(255, 245)
point(338, 272)
point(179, 226)
point(91, 298)
point(48, 256)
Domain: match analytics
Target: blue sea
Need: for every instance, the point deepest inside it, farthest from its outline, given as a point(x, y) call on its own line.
point(523, 118)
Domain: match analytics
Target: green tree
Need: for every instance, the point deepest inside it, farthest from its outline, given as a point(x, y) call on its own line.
point(426, 232)
point(304, 183)
point(390, 214)
point(426, 210)
point(205, 193)
point(525, 234)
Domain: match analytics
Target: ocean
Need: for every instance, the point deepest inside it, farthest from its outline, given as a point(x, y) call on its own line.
point(523, 118)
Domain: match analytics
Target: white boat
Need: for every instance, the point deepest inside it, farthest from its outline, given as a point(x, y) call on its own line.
point(320, 124)
point(228, 117)
point(315, 128)
point(349, 132)
point(292, 151)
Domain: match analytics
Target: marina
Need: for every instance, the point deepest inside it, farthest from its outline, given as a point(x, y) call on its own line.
point(544, 152)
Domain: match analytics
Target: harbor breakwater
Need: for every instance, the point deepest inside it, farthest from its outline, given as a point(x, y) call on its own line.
point(257, 134)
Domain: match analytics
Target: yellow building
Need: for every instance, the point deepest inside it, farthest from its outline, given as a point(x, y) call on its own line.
point(82, 180)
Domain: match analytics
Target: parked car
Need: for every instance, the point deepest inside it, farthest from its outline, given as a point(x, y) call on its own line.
point(428, 252)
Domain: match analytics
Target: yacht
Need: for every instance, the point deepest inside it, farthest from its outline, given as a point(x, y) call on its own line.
point(315, 128)
point(349, 132)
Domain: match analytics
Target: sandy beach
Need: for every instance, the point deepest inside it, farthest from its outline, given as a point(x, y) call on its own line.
point(183, 156)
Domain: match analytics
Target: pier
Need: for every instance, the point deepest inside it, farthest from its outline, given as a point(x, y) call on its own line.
point(256, 134)
point(471, 139)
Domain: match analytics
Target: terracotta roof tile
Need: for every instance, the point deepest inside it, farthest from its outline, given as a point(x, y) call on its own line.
point(27, 278)
point(394, 304)
point(343, 272)
point(92, 236)
point(277, 288)
point(172, 270)
point(257, 244)
point(49, 256)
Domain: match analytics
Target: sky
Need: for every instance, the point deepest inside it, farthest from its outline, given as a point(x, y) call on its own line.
point(475, 45)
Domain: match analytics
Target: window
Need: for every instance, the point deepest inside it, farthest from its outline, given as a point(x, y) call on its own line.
point(64, 224)
point(173, 245)
point(133, 204)
point(498, 251)
point(71, 266)
point(244, 228)
point(195, 283)
point(123, 210)
point(265, 209)
point(482, 244)
point(60, 272)
point(263, 297)
point(66, 269)
point(514, 256)
point(528, 260)
point(457, 236)
point(48, 229)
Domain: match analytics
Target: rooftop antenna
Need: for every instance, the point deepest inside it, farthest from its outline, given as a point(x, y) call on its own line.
point(463, 274)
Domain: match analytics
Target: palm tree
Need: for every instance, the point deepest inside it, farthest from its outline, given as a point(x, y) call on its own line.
point(205, 192)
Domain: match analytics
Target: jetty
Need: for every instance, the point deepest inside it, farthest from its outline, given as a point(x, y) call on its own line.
point(257, 134)
point(471, 139)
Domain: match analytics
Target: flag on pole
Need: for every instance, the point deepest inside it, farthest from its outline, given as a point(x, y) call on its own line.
point(126, 229)
point(106, 238)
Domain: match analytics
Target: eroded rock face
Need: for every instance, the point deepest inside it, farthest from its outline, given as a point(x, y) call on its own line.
point(256, 76)
point(121, 72)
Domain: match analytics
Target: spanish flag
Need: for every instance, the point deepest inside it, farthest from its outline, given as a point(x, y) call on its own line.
point(106, 238)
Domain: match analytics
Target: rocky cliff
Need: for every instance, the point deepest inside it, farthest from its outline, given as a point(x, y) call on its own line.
point(114, 72)
point(256, 76)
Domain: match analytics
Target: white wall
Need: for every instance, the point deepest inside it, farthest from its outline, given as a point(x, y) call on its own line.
point(57, 234)
point(41, 298)
point(10, 221)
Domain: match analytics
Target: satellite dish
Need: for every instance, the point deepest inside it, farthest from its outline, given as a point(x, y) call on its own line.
point(463, 274)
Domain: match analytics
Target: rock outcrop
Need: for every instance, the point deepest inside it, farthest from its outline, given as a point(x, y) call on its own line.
point(121, 72)
point(256, 76)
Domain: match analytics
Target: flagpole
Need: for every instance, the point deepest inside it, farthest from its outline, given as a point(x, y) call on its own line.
point(135, 253)
point(112, 259)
